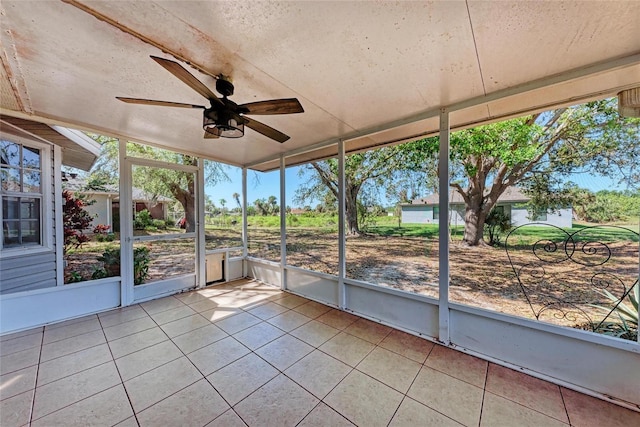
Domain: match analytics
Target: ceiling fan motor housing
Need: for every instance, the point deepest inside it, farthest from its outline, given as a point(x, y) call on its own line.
point(224, 87)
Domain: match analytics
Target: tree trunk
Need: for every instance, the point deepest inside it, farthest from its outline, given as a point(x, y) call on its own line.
point(351, 213)
point(189, 214)
point(474, 218)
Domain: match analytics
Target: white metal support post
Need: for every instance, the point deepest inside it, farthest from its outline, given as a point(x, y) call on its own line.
point(245, 229)
point(126, 226)
point(283, 225)
point(201, 279)
point(443, 227)
point(342, 243)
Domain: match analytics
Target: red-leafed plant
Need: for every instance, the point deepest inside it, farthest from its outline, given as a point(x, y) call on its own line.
point(101, 229)
point(75, 219)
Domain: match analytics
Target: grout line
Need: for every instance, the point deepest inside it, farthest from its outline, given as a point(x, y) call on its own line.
point(484, 392)
point(126, 392)
point(33, 398)
point(564, 405)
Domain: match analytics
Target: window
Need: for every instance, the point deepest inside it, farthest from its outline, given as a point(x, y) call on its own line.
point(499, 208)
point(21, 190)
point(436, 212)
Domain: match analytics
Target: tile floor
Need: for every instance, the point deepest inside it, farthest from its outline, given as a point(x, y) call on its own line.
point(248, 354)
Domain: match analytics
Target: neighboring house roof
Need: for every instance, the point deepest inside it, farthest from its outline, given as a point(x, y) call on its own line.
point(511, 194)
point(78, 150)
point(73, 183)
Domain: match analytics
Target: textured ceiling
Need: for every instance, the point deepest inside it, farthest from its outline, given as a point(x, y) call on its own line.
point(367, 73)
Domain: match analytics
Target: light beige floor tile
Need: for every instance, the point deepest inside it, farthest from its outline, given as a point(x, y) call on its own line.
point(71, 345)
point(450, 396)
point(18, 382)
point(15, 411)
point(132, 343)
point(258, 335)
point(291, 301)
point(217, 355)
point(161, 304)
point(202, 337)
point(323, 416)
point(268, 310)
point(129, 328)
point(378, 365)
point(368, 330)
point(412, 413)
point(160, 383)
point(407, 345)
point(284, 351)
point(312, 309)
point(147, 359)
point(314, 333)
point(129, 422)
point(191, 297)
point(204, 305)
point(106, 408)
point(242, 377)
point(318, 373)
point(497, 411)
point(220, 313)
point(68, 331)
point(20, 360)
point(61, 367)
point(347, 348)
point(587, 411)
point(531, 392)
point(337, 319)
point(121, 315)
point(459, 365)
point(24, 333)
point(182, 326)
point(20, 344)
point(71, 322)
point(228, 419)
point(63, 392)
point(172, 314)
point(237, 322)
point(364, 401)
point(265, 407)
point(289, 320)
point(195, 405)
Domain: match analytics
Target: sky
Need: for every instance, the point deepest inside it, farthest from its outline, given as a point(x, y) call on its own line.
point(269, 185)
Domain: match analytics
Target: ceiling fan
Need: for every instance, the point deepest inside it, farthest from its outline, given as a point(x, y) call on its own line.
point(224, 118)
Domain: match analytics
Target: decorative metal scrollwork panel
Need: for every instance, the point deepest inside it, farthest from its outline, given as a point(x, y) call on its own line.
point(584, 278)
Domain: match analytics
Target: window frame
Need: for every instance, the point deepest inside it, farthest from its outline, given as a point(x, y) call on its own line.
point(45, 196)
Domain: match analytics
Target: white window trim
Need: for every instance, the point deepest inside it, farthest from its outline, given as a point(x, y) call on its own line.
point(47, 219)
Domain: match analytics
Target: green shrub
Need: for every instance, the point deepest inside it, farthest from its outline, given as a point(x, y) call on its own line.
point(143, 220)
point(111, 260)
point(160, 224)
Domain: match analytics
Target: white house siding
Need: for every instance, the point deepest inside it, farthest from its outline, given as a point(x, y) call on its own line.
point(33, 270)
point(100, 211)
point(423, 214)
point(560, 218)
point(417, 215)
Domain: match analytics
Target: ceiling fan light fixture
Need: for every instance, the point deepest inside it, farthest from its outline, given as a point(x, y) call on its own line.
point(224, 124)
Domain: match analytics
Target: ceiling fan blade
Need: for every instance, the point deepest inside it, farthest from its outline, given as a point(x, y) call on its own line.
point(158, 103)
point(273, 106)
point(208, 135)
point(265, 130)
point(180, 72)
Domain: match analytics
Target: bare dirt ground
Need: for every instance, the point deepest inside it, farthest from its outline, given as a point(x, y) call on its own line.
point(482, 277)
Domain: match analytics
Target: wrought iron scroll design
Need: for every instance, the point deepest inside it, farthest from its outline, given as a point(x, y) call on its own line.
point(587, 261)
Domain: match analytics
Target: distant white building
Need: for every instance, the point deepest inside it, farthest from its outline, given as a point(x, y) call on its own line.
point(512, 202)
